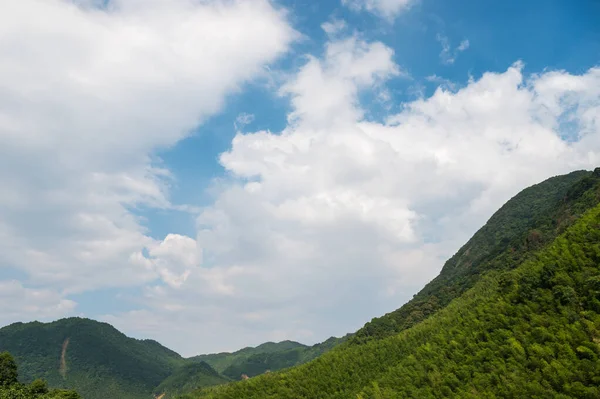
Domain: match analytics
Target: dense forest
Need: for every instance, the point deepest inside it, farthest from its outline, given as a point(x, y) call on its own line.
point(528, 329)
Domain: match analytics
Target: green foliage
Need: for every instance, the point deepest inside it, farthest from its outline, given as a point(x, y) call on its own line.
point(8, 369)
point(528, 329)
point(11, 388)
point(38, 387)
point(221, 361)
point(526, 223)
point(269, 356)
point(189, 377)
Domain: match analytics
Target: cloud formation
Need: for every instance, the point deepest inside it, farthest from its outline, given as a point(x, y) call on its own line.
point(387, 9)
point(89, 91)
point(20, 303)
point(448, 55)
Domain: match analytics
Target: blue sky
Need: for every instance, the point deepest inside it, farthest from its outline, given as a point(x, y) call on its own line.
point(543, 34)
point(219, 174)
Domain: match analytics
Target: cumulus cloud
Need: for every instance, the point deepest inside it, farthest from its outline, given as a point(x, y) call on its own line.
point(334, 27)
point(335, 219)
point(19, 303)
point(388, 9)
point(242, 120)
point(448, 55)
point(444, 83)
point(89, 91)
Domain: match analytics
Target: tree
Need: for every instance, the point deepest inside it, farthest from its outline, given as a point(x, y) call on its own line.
point(38, 387)
point(8, 369)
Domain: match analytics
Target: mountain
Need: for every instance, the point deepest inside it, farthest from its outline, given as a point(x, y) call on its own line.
point(188, 377)
point(267, 357)
point(515, 313)
point(222, 361)
point(92, 357)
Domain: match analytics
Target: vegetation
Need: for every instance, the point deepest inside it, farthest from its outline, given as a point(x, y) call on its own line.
point(528, 330)
point(530, 220)
point(11, 388)
point(189, 377)
point(269, 356)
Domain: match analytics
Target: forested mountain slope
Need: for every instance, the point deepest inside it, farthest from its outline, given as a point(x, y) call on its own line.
point(526, 223)
point(528, 329)
point(269, 356)
point(188, 377)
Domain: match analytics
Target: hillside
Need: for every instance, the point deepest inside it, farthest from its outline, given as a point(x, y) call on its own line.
point(266, 357)
point(188, 377)
point(222, 361)
point(94, 358)
point(527, 222)
point(528, 329)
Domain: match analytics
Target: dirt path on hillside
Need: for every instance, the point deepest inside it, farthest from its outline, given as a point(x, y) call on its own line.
point(63, 360)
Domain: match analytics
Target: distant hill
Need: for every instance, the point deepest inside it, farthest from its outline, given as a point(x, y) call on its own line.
point(514, 314)
point(92, 357)
point(221, 361)
point(269, 356)
point(188, 377)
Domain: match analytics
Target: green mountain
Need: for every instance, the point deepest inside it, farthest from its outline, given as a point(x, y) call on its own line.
point(188, 377)
point(515, 313)
point(94, 358)
point(267, 357)
point(222, 361)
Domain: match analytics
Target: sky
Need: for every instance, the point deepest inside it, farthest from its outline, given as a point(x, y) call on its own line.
point(215, 174)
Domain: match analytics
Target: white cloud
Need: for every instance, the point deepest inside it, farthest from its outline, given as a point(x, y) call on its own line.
point(334, 27)
point(324, 91)
point(447, 55)
point(335, 220)
point(18, 303)
point(388, 9)
point(242, 120)
point(88, 94)
point(444, 83)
